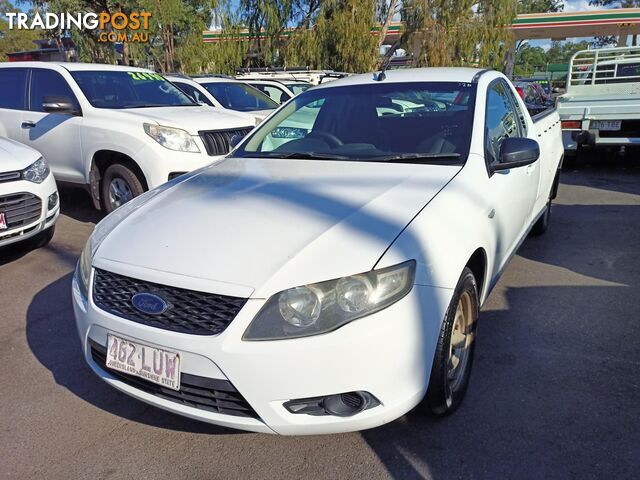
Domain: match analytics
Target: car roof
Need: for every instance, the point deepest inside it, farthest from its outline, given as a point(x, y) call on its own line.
point(216, 80)
point(410, 75)
point(73, 66)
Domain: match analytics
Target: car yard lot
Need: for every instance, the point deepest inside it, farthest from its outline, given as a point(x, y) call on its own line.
point(555, 391)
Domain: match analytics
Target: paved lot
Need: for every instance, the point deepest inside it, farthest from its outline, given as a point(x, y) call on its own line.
point(555, 391)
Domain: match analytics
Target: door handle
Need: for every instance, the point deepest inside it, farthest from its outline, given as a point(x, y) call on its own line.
point(28, 124)
point(531, 168)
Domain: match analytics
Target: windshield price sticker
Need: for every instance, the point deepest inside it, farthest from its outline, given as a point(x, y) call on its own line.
point(146, 76)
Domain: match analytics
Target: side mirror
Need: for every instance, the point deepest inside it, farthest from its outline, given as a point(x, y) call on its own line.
point(517, 152)
point(59, 104)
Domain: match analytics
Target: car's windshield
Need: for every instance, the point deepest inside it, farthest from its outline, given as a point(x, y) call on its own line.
point(239, 96)
point(431, 121)
point(298, 88)
point(135, 89)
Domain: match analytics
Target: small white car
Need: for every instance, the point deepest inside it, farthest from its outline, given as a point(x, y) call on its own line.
point(279, 91)
point(226, 92)
point(116, 130)
point(29, 203)
point(327, 276)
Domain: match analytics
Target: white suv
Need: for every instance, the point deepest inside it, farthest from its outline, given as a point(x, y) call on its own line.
point(227, 93)
point(118, 130)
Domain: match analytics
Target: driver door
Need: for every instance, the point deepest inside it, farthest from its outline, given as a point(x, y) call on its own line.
point(56, 136)
point(512, 192)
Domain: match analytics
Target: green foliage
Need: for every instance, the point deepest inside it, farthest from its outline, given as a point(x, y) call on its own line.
point(530, 59)
point(540, 6)
point(457, 32)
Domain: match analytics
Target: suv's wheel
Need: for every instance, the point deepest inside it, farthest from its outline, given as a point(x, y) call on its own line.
point(454, 353)
point(119, 185)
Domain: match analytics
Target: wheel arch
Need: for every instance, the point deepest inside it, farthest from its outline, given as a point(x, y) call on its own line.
point(477, 263)
point(104, 158)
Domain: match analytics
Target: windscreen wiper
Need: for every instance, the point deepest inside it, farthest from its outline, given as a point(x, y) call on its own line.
point(420, 158)
point(300, 155)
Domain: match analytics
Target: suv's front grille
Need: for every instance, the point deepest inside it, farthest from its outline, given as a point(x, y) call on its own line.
point(187, 311)
point(20, 209)
point(218, 142)
point(211, 394)
point(10, 176)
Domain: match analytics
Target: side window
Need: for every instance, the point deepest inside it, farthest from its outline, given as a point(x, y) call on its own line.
point(45, 83)
point(521, 117)
point(500, 121)
point(12, 88)
point(274, 93)
point(193, 92)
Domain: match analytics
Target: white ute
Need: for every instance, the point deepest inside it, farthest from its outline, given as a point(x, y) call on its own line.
point(29, 204)
point(118, 130)
point(325, 277)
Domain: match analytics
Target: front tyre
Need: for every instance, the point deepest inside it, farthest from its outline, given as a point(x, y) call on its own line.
point(119, 185)
point(454, 353)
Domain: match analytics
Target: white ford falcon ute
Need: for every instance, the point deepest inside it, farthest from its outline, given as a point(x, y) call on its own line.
point(327, 275)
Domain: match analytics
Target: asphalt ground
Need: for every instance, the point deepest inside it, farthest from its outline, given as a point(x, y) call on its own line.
point(555, 389)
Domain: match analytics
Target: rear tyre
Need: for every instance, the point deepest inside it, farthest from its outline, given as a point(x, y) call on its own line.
point(542, 224)
point(454, 353)
point(119, 185)
point(43, 238)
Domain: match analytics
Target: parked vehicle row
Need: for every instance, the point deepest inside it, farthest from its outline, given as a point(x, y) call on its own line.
point(119, 131)
point(327, 274)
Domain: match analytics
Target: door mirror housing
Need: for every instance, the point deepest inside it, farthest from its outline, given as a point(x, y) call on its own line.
point(517, 152)
point(59, 104)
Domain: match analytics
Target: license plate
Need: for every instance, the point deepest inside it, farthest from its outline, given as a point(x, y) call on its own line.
point(606, 125)
point(151, 363)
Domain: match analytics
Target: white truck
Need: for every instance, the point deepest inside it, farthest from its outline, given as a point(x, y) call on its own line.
point(601, 106)
point(331, 280)
point(117, 130)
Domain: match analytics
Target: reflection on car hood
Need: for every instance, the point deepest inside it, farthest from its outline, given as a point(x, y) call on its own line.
point(194, 119)
point(271, 224)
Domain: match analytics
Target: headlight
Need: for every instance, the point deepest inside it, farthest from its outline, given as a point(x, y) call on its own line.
point(37, 172)
point(323, 307)
point(171, 138)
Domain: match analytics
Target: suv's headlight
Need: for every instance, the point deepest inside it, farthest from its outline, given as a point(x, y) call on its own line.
point(171, 138)
point(37, 172)
point(323, 307)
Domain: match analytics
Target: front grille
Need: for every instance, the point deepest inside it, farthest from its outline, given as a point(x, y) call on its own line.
point(188, 311)
point(628, 128)
point(10, 176)
point(218, 142)
point(210, 394)
point(20, 209)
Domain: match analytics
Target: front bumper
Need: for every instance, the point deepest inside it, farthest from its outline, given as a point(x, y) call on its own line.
point(46, 219)
point(387, 354)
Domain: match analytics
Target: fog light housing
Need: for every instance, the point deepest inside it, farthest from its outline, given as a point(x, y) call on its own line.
point(53, 201)
point(338, 405)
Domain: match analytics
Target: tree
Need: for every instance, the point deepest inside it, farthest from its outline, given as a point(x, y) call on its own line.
point(540, 6)
point(529, 60)
point(462, 32)
point(15, 40)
